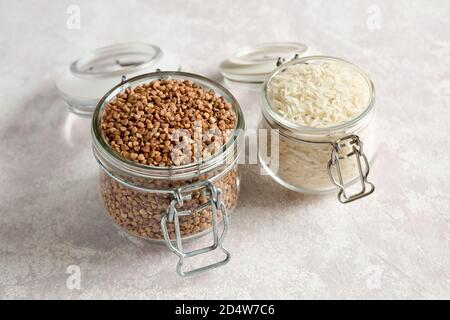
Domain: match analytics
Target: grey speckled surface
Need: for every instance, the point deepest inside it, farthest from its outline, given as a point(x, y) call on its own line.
point(395, 244)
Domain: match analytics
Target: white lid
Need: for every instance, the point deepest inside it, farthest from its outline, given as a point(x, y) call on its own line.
point(87, 79)
point(253, 64)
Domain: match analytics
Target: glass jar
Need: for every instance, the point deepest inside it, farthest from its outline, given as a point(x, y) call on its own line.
point(86, 80)
point(171, 204)
point(321, 160)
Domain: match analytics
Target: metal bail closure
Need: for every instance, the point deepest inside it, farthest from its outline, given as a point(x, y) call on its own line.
point(356, 145)
point(173, 215)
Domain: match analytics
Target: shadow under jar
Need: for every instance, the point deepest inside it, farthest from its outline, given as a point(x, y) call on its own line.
point(171, 204)
point(319, 160)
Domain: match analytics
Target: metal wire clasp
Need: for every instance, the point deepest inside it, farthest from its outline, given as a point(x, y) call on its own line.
point(356, 145)
point(173, 215)
point(281, 60)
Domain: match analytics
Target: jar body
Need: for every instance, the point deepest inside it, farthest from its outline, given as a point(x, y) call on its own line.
point(320, 156)
point(303, 158)
point(139, 197)
point(139, 211)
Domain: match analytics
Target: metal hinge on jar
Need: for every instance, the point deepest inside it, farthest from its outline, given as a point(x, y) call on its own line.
point(173, 215)
point(281, 60)
point(356, 146)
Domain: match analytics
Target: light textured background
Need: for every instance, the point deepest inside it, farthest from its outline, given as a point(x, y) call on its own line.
point(395, 244)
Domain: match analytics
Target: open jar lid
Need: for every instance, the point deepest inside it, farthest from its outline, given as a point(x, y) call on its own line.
point(87, 79)
point(253, 64)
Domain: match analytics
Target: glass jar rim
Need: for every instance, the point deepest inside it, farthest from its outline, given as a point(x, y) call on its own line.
point(199, 167)
point(82, 66)
point(271, 115)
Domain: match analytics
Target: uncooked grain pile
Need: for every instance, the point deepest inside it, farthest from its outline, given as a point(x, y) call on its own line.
point(319, 94)
point(143, 125)
point(140, 213)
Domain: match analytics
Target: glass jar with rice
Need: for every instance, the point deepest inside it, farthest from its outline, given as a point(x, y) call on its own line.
point(323, 109)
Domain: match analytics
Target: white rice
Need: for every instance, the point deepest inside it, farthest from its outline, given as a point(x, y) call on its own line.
point(319, 95)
